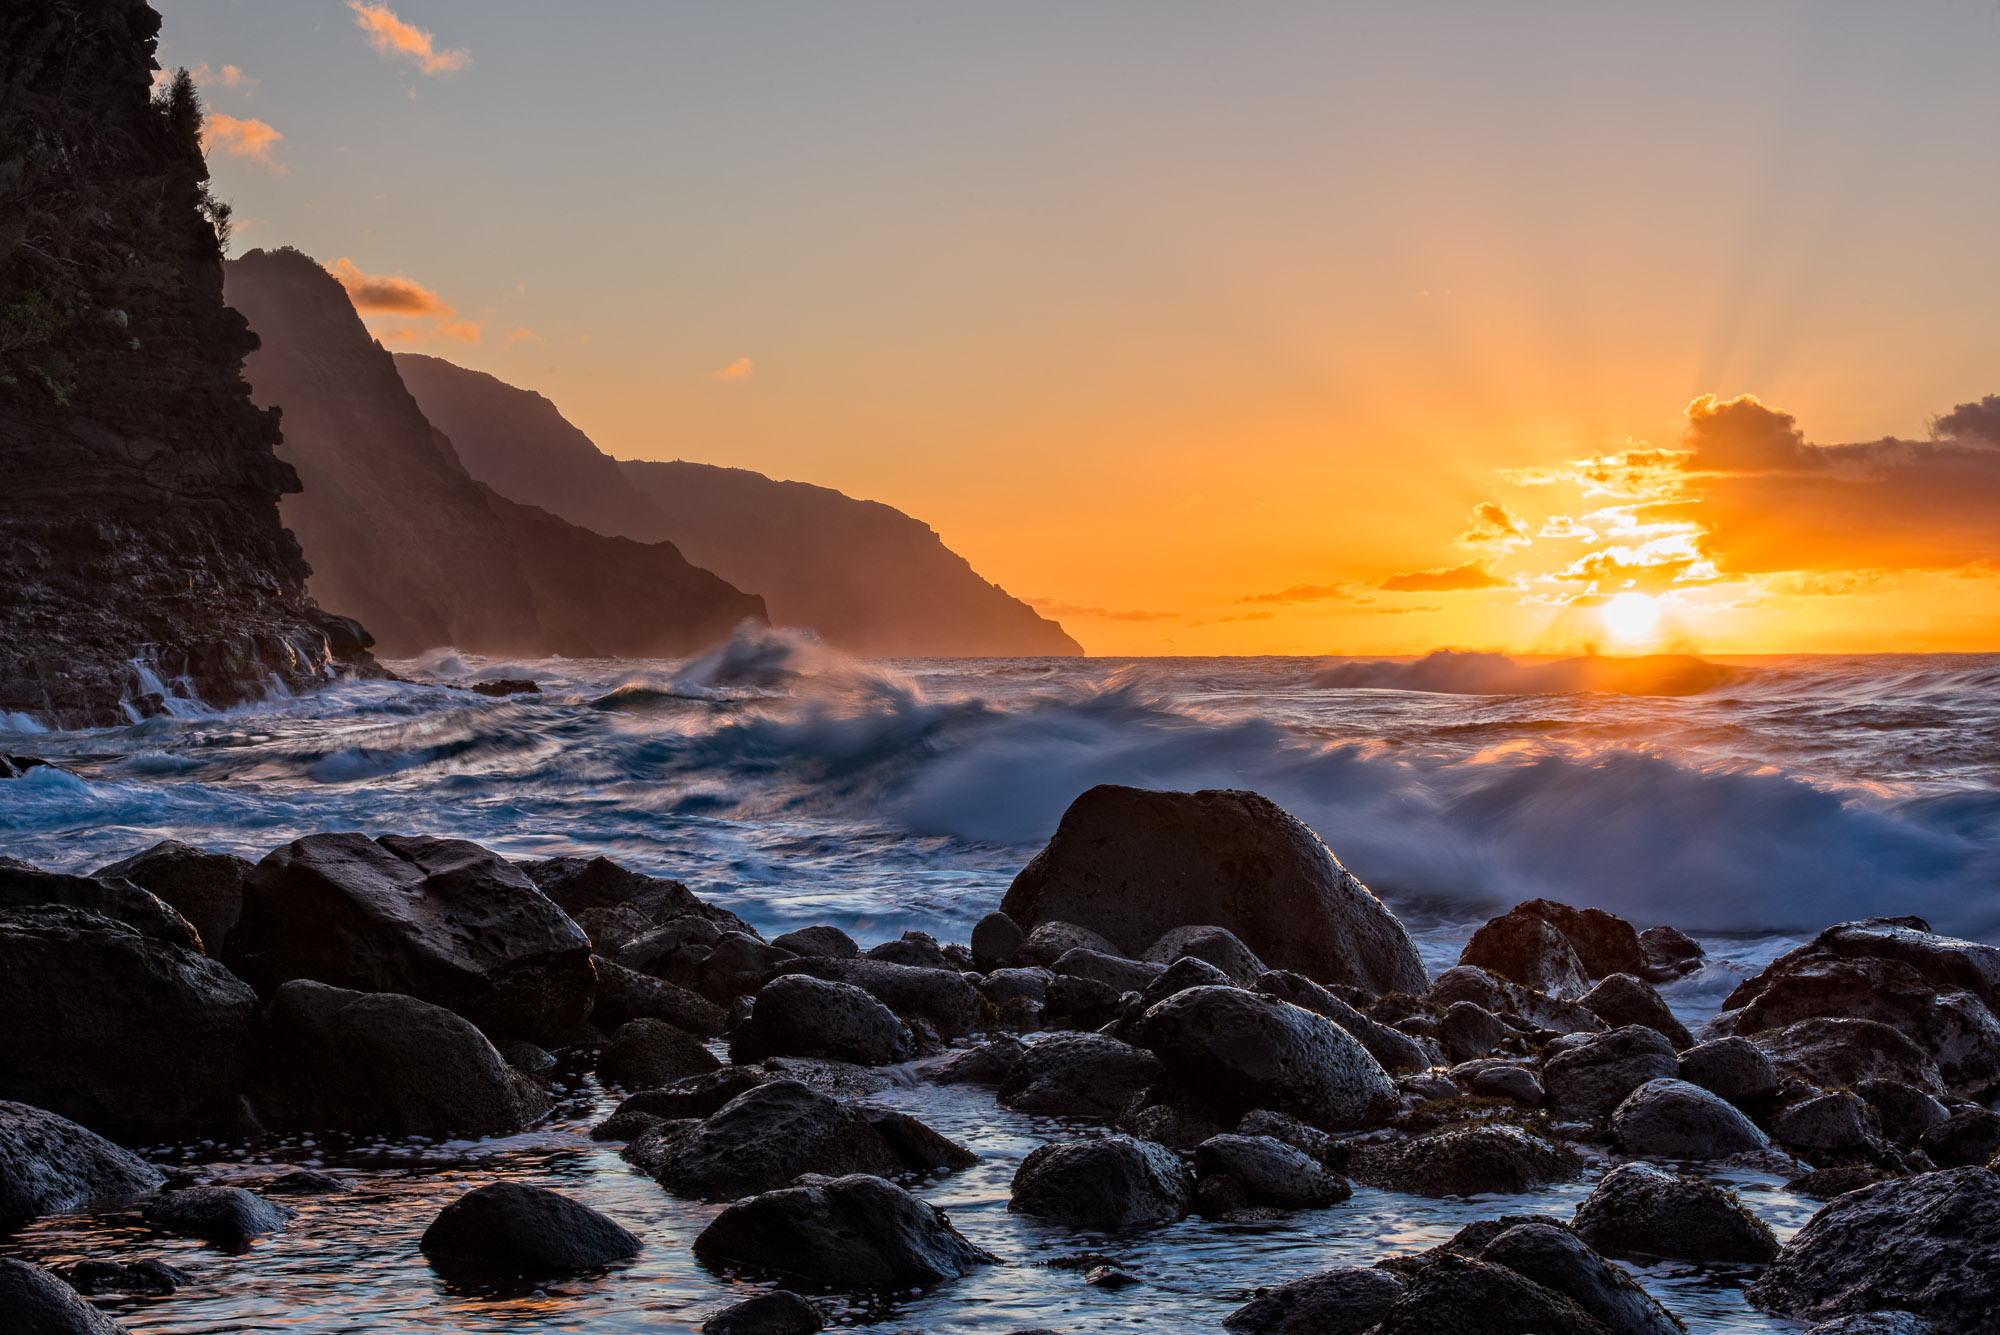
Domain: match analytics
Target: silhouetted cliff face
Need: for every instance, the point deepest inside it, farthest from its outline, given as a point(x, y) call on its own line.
point(868, 578)
point(139, 529)
point(398, 531)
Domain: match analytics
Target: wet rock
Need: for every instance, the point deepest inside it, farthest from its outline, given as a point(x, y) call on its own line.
point(1823, 1184)
point(1639, 1212)
point(696, 1096)
point(380, 1062)
point(1005, 985)
point(738, 964)
point(95, 1277)
point(1970, 1136)
point(1734, 1069)
point(802, 1016)
point(1510, 1081)
point(650, 1148)
point(50, 1164)
point(1945, 962)
point(1620, 999)
point(767, 1136)
point(23, 885)
point(1391, 1048)
point(1135, 864)
point(204, 888)
point(1469, 1242)
point(1050, 941)
point(1170, 1124)
point(830, 942)
point(1833, 1053)
point(1240, 1050)
point(1078, 1075)
point(513, 1228)
point(988, 1064)
point(576, 884)
point(675, 950)
point(1876, 1323)
point(612, 929)
point(948, 999)
point(996, 940)
point(1108, 1182)
point(625, 1126)
point(1526, 950)
point(230, 1217)
point(850, 1233)
point(1590, 1079)
point(919, 950)
point(1455, 1293)
point(1468, 1031)
point(1902, 1114)
point(1080, 1003)
point(1347, 1301)
point(1490, 992)
point(1115, 972)
point(443, 920)
point(781, 1312)
point(306, 1182)
point(1109, 1277)
point(1555, 1258)
point(1670, 953)
point(1604, 942)
point(1677, 1120)
point(919, 1148)
point(118, 1031)
point(625, 995)
point(1182, 974)
point(1922, 1244)
point(644, 1054)
point(505, 686)
point(1827, 1122)
point(526, 1058)
point(1466, 1161)
point(37, 1303)
point(1212, 945)
point(1271, 1172)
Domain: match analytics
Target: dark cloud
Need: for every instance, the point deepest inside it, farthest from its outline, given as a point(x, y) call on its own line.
point(1472, 575)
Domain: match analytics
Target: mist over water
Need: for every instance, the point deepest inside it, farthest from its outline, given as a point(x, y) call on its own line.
point(796, 785)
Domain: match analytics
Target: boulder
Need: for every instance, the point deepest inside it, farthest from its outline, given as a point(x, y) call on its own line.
point(780, 1312)
point(1947, 963)
point(230, 1217)
point(151, 1277)
point(576, 884)
point(1836, 1121)
point(1588, 1080)
point(1346, 1301)
point(1134, 864)
point(1832, 1053)
point(1876, 1323)
point(1114, 971)
point(921, 1149)
point(1109, 1182)
point(1177, 1126)
point(1238, 1050)
point(23, 885)
point(1555, 1258)
point(1078, 1075)
point(513, 1228)
point(307, 1182)
point(1669, 953)
point(117, 1030)
point(1620, 999)
point(1467, 1031)
point(798, 1015)
point(1639, 1212)
point(1466, 1161)
point(1524, 949)
point(1456, 1293)
point(1391, 1048)
point(1732, 1068)
point(1050, 941)
point(1510, 1081)
point(673, 950)
point(697, 1096)
point(1922, 1244)
point(737, 965)
point(624, 995)
point(380, 1062)
point(1902, 1114)
point(1080, 1003)
point(1677, 1120)
point(1005, 985)
point(1214, 945)
point(644, 1054)
point(919, 950)
point(987, 1064)
point(1271, 1172)
point(852, 1232)
point(1970, 1136)
point(611, 930)
point(204, 888)
point(819, 940)
point(1182, 974)
point(996, 939)
point(443, 920)
point(37, 1303)
point(1604, 942)
point(50, 1164)
point(948, 999)
point(1491, 992)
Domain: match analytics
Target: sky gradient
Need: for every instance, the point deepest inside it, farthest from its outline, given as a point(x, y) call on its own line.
point(1217, 328)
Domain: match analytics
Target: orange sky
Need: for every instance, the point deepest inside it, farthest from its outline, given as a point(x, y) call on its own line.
point(1201, 324)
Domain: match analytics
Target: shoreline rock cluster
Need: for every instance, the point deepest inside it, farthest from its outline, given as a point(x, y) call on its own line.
point(1217, 1056)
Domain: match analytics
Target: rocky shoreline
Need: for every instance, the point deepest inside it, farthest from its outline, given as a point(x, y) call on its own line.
point(1217, 1022)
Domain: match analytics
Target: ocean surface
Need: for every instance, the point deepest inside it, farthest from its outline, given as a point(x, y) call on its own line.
point(1765, 799)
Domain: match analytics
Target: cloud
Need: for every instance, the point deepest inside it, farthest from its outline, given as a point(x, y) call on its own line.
point(1303, 593)
point(241, 138)
point(1472, 575)
point(1495, 528)
point(390, 36)
point(229, 77)
point(524, 335)
point(1249, 616)
point(1398, 611)
point(737, 370)
point(395, 297)
point(455, 331)
point(1054, 608)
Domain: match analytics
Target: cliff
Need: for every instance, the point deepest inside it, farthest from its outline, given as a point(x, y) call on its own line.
point(140, 540)
point(399, 533)
point(867, 577)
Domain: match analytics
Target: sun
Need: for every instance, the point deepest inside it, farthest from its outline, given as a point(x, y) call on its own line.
point(1631, 617)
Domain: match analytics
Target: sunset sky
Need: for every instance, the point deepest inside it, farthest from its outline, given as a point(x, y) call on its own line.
point(1217, 328)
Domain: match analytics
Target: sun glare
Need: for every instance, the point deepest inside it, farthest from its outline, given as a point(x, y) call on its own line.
point(1631, 617)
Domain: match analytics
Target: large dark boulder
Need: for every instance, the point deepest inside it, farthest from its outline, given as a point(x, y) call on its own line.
point(1271, 1172)
point(1466, 1161)
point(1134, 864)
point(1923, 1244)
point(229, 1217)
point(1456, 1293)
point(780, 1312)
point(440, 919)
point(1078, 1075)
point(1489, 991)
point(1640, 1212)
point(1556, 1258)
point(49, 1163)
point(385, 1063)
point(1833, 1053)
point(1734, 1068)
point(1524, 949)
point(853, 1232)
point(35, 1302)
point(949, 1000)
point(510, 1227)
point(205, 888)
point(820, 939)
point(1677, 1120)
point(1620, 999)
point(798, 1015)
point(624, 995)
point(1237, 1050)
point(1213, 945)
point(645, 1054)
point(1590, 1078)
point(1108, 1182)
point(1947, 963)
point(23, 885)
point(1604, 942)
point(1346, 1301)
point(1969, 1136)
point(119, 1031)
point(576, 884)
point(1392, 1048)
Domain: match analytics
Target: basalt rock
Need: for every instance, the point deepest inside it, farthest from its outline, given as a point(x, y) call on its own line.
point(1947, 963)
point(1216, 945)
point(230, 1217)
point(23, 885)
point(510, 1227)
point(1832, 1053)
point(1902, 1113)
point(798, 1015)
point(1604, 942)
point(988, 1064)
point(996, 939)
point(853, 1232)
point(1827, 1128)
point(1677, 1120)
point(443, 920)
point(96, 1276)
point(1393, 1049)
point(1970, 1136)
point(818, 940)
point(1110, 1182)
point(1051, 940)
point(49, 1163)
point(1733, 1068)
point(1670, 953)
point(1456, 1293)
point(1467, 1031)
point(948, 999)
point(1347, 1301)
point(1556, 1258)
point(1135, 864)
point(1524, 949)
point(919, 950)
point(1271, 1172)
point(1620, 999)
point(576, 884)
point(204, 888)
point(1490, 992)
point(37, 1303)
point(1640, 1212)
point(1115, 972)
point(1078, 1075)
point(1591, 1078)
point(1466, 1161)
point(781, 1312)
point(644, 1054)
point(624, 995)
